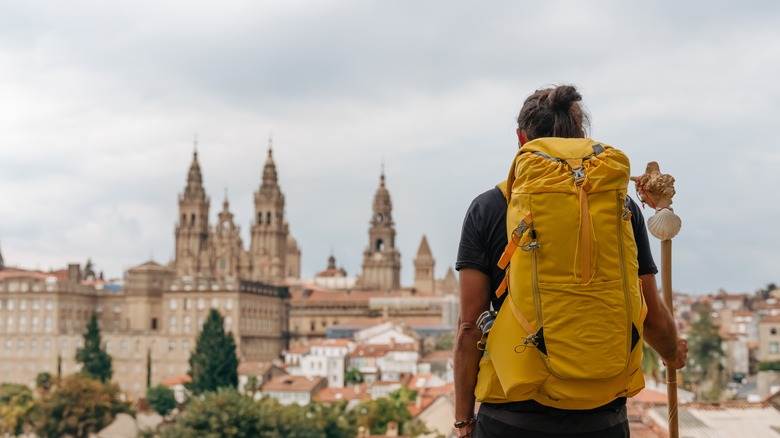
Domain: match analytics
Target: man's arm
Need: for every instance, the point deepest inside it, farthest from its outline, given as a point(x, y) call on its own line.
point(660, 330)
point(474, 299)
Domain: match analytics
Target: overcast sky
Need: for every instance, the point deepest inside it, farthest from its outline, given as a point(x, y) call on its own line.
point(100, 102)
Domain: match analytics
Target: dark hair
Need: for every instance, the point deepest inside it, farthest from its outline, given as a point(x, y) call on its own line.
point(553, 112)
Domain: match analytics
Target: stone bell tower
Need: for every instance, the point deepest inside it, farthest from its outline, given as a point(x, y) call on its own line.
point(381, 260)
point(192, 230)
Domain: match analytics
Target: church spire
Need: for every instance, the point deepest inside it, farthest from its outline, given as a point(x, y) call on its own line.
point(270, 178)
point(194, 189)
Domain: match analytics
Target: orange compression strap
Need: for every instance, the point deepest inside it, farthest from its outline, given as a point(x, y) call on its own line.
point(519, 317)
point(514, 241)
point(502, 287)
point(585, 242)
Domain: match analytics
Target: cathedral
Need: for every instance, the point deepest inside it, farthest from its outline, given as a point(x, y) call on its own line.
point(218, 252)
point(157, 310)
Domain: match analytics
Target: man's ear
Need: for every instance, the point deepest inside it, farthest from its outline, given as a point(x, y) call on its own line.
point(522, 137)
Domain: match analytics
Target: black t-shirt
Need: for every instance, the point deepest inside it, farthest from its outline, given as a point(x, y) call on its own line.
point(483, 239)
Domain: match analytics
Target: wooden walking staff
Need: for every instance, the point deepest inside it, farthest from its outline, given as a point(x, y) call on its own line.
point(657, 190)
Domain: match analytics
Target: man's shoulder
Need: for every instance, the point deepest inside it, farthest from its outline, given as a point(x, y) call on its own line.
point(490, 199)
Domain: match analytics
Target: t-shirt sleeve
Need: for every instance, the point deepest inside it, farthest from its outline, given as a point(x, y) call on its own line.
point(644, 255)
point(472, 253)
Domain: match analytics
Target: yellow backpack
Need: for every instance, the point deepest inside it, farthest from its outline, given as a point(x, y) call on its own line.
point(568, 334)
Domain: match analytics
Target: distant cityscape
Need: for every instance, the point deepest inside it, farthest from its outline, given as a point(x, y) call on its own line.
point(306, 340)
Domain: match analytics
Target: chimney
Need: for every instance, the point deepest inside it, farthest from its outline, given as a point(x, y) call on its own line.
point(74, 272)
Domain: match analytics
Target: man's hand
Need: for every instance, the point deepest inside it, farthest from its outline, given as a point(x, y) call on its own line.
point(682, 355)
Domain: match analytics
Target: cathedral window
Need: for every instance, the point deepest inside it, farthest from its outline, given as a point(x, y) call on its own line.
point(154, 323)
point(259, 218)
point(183, 219)
point(380, 246)
point(192, 220)
point(268, 218)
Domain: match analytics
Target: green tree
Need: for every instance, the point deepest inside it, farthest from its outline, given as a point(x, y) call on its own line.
point(445, 341)
point(213, 363)
point(161, 399)
point(16, 403)
point(332, 420)
point(704, 355)
point(353, 376)
point(226, 413)
point(78, 406)
point(375, 414)
point(251, 386)
point(96, 362)
point(44, 381)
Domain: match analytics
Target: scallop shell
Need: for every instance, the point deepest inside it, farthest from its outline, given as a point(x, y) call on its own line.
point(664, 224)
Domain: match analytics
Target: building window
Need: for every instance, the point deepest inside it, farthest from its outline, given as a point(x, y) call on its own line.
point(20, 345)
point(36, 323)
point(171, 346)
point(47, 323)
point(22, 323)
point(185, 346)
point(36, 304)
point(200, 322)
point(228, 323)
point(8, 345)
point(10, 323)
point(186, 323)
point(774, 348)
point(187, 304)
point(99, 308)
point(201, 303)
point(108, 346)
point(49, 304)
point(46, 345)
point(33, 344)
point(11, 305)
point(154, 323)
point(22, 304)
point(174, 304)
point(172, 323)
point(117, 308)
point(123, 345)
point(773, 330)
point(215, 303)
point(229, 303)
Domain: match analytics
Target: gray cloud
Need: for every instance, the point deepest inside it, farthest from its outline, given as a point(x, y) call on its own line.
point(101, 102)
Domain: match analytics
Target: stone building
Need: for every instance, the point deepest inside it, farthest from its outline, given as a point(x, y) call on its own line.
point(158, 311)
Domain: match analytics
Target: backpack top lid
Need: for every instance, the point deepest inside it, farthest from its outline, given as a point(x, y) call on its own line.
point(562, 148)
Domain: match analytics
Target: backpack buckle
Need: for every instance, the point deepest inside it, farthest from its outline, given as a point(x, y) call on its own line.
point(579, 175)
